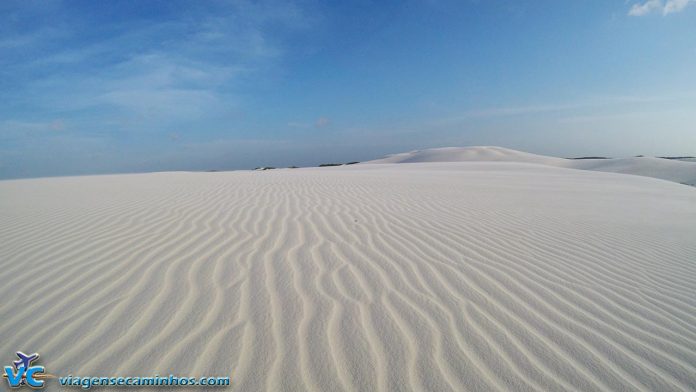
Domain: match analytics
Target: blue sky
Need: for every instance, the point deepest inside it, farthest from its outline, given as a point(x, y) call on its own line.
point(129, 86)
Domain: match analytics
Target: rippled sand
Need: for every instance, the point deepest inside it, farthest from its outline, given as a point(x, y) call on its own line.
point(378, 277)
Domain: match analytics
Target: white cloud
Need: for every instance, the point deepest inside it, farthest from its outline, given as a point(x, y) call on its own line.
point(148, 76)
point(666, 8)
point(645, 8)
point(675, 6)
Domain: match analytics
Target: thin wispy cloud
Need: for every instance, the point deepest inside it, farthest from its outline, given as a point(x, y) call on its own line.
point(555, 107)
point(118, 81)
point(182, 68)
point(659, 6)
point(673, 6)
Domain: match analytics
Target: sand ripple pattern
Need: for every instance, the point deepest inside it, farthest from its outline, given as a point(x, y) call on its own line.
point(411, 277)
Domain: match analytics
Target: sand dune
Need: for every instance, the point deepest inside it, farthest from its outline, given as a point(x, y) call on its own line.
point(468, 154)
point(672, 170)
point(465, 276)
point(681, 171)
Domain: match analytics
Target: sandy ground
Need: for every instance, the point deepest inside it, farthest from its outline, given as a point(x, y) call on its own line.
point(470, 276)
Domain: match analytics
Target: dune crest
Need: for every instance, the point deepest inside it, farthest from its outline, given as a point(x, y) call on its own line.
point(681, 171)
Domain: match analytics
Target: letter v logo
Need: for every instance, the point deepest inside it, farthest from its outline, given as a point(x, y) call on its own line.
point(15, 379)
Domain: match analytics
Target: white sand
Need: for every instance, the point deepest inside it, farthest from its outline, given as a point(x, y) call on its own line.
point(682, 171)
point(391, 277)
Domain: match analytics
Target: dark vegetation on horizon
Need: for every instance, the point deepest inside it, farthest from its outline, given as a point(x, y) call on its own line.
point(263, 168)
point(337, 164)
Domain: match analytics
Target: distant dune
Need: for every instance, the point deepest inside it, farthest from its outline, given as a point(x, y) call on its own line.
point(666, 169)
point(444, 276)
point(682, 171)
point(468, 154)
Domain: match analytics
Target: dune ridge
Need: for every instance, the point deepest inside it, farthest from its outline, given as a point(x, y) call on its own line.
point(681, 171)
point(464, 276)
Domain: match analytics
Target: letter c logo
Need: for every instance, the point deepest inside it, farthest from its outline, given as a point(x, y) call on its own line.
point(34, 383)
